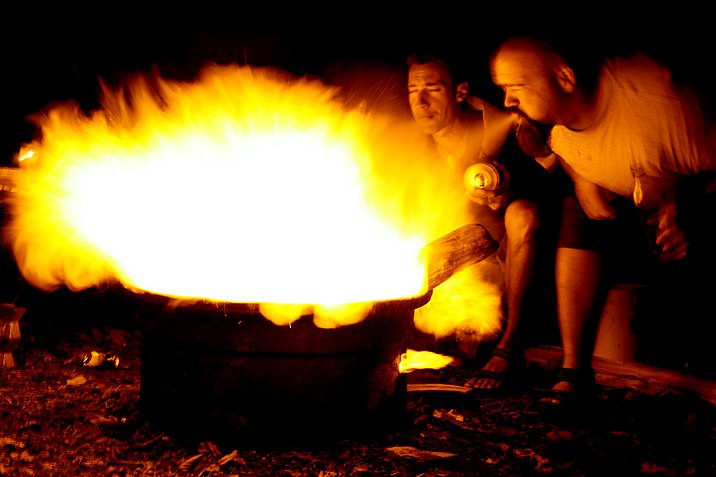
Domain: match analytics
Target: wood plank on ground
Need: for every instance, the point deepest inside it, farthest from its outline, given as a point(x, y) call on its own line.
point(638, 377)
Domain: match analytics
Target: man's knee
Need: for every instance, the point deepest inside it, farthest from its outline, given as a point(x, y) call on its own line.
point(522, 220)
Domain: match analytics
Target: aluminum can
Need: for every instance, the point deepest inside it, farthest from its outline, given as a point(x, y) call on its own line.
point(483, 176)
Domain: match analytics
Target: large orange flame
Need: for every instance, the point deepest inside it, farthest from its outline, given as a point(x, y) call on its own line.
point(246, 185)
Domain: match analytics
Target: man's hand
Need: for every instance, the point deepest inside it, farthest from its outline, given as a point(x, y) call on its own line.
point(593, 198)
point(669, 237)
point(487, 183)
point(530, 138)
point(489, 198)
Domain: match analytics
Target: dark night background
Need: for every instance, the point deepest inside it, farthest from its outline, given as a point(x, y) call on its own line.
point(58, 53)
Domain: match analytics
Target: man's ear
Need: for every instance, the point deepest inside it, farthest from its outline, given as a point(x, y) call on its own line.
point(566, 78)
point(461, 91)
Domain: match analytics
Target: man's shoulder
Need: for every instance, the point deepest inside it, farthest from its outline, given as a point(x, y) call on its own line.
point(639, 72)
point(474, 118)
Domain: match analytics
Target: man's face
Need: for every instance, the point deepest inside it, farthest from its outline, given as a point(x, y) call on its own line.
point(527, 85)
point(431, 96)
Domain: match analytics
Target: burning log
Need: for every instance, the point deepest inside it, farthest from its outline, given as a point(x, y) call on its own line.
point(450, 253)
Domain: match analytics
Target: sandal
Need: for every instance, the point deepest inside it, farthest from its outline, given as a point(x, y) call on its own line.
point(572, 387)
point(502, 380)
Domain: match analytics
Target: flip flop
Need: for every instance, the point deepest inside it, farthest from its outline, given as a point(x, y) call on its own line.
point(582, 388)
point(506, 380)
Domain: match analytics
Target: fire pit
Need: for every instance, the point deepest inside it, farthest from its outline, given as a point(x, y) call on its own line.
point(264, 155)
point(227, 370)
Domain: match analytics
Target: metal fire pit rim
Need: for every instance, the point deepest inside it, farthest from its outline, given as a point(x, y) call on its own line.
point(246, 307)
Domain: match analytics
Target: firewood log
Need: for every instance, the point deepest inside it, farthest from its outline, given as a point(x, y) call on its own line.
point(456, 250)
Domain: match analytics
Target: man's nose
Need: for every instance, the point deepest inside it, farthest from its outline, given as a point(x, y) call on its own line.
point(423, 98)
point(511, 101)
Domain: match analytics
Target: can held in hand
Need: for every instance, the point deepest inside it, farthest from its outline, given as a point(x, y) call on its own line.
point(485, 176)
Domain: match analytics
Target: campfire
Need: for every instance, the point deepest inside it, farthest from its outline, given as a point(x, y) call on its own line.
point(247, 188)
point(246, 185)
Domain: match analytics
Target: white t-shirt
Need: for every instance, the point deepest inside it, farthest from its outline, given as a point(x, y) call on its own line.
point(644, 122)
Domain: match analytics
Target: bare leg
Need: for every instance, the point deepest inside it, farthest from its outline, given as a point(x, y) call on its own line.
point(579, 290)
point(521, 226)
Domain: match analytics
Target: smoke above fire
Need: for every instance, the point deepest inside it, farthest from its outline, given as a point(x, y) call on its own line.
point(245, 185)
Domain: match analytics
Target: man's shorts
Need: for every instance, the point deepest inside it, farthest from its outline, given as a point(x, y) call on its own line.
point(623, 242)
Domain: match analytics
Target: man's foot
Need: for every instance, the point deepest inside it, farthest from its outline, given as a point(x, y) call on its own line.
point(499, 372)
point(573, 386)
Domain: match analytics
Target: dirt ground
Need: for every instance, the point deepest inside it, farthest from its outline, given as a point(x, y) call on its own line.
point(60, 417)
